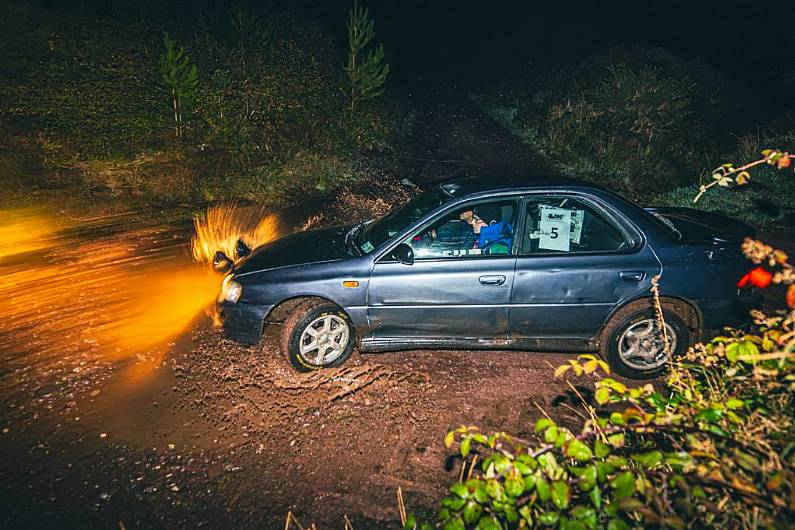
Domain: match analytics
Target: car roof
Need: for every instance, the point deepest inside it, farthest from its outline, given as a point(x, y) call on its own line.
point(462, 186)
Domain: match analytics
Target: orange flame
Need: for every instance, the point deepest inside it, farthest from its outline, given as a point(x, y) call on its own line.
point(23, 231)
point(79, 302)
point(223, 225)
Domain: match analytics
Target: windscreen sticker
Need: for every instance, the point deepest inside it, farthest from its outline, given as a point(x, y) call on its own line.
point(555, 228)
point(577, 217)
point(367, 247)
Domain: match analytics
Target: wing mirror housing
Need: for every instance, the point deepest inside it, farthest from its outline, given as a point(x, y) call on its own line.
point(404, 254)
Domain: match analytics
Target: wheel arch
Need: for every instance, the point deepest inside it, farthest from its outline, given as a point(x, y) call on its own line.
point(687, 309)
point(280, 310)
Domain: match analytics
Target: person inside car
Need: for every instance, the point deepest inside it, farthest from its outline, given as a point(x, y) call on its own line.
point(473, 220)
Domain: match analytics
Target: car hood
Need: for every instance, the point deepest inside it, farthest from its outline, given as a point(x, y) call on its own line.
point(702, 226)
point(299, 248)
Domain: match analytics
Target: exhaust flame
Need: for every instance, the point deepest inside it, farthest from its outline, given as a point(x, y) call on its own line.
point(223, 225)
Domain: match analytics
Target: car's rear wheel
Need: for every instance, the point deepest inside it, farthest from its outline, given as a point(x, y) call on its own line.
point(317, 334)
point(633, 342)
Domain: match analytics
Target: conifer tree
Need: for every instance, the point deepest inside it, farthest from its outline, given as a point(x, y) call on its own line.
point(366, 73)
point(181, 78)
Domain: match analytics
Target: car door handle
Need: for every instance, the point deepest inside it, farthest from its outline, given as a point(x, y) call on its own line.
point(632, 276)
point(496, 279)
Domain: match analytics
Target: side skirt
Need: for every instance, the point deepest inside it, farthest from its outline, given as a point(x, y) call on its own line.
point(385, 344)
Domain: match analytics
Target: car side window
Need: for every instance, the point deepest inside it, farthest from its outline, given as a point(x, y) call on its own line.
point(566, 225)
point(474, 230)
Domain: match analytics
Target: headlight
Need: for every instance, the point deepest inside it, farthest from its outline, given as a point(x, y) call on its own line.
point(231, 290)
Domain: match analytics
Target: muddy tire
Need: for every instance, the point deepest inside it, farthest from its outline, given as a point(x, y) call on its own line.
point(317, 334)
point(632, 342)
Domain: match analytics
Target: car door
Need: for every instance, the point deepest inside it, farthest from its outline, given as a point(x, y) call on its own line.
point(578, 260)
point(456, 289)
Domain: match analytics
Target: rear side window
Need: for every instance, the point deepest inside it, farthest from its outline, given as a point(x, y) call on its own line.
point(567, 225)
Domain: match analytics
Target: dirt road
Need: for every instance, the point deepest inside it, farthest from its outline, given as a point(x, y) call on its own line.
point(219, 435)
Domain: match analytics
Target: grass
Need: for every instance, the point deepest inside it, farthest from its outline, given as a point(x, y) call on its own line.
point(767, 200)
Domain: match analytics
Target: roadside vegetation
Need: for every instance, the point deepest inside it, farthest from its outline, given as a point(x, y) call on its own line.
point(242, 102)
point(645, 122)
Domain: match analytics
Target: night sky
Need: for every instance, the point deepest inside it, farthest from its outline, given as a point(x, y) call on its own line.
point(447, 39)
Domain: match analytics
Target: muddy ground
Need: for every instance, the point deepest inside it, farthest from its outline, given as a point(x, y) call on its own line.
point(221, 435)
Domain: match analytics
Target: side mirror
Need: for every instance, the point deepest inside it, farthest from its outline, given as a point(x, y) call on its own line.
point(221, 263)
point(404, 254)
point(241, 249)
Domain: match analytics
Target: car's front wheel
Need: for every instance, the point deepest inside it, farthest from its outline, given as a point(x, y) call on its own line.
point(634, 345)
point(317, 334)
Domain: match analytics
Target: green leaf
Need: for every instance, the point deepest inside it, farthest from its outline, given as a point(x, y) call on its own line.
point(601, 449)
point(602, 395)
point(494, 489)
point(562, 369)
point(453, 503)
point(471, 512)
point(578, 451)
point(678, 460)
point(596, 497)
point(561, 439)
point(549, 518)
point(543, 423)
point(455, 524)
point(465, 443)
point(514, 486)
point(566, 524)
point(521, 467)
point(616, 440)
point(551, 434)
point(711, 415)
point(649, 460)
point(560, 494)
point(542, 486)
point(529, 482)
point(449, 439)
point(488, 523)
point(481, 494)
point(460, 490)
point(583, 512)
point(732, 351)
point(623, 484)
point(511, 515)
point(735, 404)
point(588, 478)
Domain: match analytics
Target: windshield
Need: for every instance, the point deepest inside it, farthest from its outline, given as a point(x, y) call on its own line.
point(375, 234)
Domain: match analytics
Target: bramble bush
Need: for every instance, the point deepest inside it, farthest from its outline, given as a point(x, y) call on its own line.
point(713, 445)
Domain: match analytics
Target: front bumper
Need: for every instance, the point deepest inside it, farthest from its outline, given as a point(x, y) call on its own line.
point(243, 322)
point(733, 312)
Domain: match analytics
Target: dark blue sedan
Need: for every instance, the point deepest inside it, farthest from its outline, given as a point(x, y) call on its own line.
point(533, 264)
